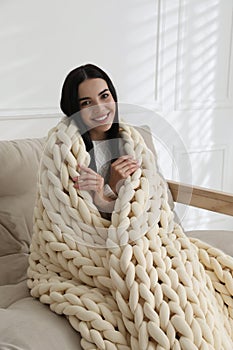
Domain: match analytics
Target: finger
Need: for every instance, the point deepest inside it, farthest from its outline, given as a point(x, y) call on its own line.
point(89, 185)
point(122, 159)
point(125, 166)
point(80, 177)
point(81, 182)
point(129, 165)
point(86, 169)
point(87, 188)
point(131, 170)
point(87, 177)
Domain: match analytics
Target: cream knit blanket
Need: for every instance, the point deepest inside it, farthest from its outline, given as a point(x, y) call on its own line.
point(136, 282)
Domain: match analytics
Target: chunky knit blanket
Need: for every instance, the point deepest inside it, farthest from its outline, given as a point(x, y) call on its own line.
point(135, 281)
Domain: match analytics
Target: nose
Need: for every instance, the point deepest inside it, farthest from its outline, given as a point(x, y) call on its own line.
point(98, 107)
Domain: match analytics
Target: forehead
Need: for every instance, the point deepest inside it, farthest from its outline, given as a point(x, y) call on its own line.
point(91, 87)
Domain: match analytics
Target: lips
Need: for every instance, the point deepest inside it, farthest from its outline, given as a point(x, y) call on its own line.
point(101, 119)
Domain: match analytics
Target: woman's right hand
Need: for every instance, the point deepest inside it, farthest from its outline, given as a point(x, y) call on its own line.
point(120, 170)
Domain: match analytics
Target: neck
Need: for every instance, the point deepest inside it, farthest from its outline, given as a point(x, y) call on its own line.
point(98, 136)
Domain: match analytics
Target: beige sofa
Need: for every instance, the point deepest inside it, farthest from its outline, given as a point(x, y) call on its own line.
point(25, 323)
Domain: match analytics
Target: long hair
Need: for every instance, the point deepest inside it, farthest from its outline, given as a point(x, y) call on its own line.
point(70, 106)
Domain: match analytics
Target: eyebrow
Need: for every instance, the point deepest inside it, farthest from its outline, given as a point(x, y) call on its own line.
point(88, 98)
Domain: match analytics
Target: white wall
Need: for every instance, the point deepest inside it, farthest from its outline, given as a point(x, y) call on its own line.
point(41, 41)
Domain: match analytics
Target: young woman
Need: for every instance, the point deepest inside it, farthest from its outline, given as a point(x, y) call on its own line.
point(89, 97)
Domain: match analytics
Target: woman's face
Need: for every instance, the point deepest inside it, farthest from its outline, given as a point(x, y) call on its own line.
point(97, 107)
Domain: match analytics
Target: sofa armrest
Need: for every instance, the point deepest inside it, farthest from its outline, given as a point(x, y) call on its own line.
point(200, 197)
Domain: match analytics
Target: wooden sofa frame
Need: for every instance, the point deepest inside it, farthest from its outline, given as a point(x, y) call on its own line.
point(216, 201)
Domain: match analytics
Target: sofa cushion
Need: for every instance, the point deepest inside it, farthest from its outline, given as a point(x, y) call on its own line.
point(28, 324)
point(19, 161)
point(13, 268)
point(11, 293)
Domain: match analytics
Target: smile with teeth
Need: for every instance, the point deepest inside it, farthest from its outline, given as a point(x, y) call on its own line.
point(102, 118)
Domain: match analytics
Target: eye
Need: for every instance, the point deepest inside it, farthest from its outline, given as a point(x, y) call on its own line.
point(85, 103)
point(105, 95)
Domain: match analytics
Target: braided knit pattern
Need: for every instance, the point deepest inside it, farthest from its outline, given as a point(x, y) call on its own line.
point(135, 282)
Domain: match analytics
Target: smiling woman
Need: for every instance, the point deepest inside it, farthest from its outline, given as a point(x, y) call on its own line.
point(94, 93)
point(90, 99)
point(135, 280)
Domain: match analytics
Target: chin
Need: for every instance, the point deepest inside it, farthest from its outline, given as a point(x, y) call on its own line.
point(105, 127)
